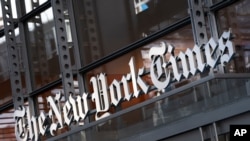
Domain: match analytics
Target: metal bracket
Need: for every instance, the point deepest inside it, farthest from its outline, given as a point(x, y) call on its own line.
point(15, 75)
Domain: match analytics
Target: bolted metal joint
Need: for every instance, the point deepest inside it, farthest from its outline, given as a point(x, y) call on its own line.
point(196, 12)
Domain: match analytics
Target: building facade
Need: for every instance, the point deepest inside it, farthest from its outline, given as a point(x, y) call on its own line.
point(124, 70)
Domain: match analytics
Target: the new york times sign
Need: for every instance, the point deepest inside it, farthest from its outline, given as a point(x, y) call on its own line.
point(131, 85)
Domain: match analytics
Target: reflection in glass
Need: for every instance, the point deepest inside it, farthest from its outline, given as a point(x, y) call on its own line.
point(202, 97)
point(216, 1)
point(118, 68)
point(7, 125)
point(236, 17)
point(33, 4)
point(42, 49)
point(44, 107)
point(5, 87)
point(106, 26)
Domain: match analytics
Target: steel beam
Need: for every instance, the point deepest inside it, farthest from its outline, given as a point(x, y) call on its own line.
point(63, 49)
point(13, 54)
point(196, 10)
point(75, 42)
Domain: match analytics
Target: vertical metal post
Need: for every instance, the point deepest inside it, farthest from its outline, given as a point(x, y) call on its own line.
point(201, 133)
point(75, 44)
point(196, 11)
point(195, 94)
point(64, 56)
point(215, 132)
point(15, 74)
point(40, 45)
point(198, 21)
point(212, 21)
point(70, 5)
point(91, 23)
point(33, 108)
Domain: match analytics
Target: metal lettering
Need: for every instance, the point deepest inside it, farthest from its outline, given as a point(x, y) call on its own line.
point(83, 107)
point(126, 89)
point(54, 113)
point(226, 47)
point(133, 75)
point(191, 61)
point(176, 68)
point(115, 92)
point(33, 128)
point(185, 65)
point(67, 110)
point(76, 108)
point(210, 50)
point(158, 70)
point(199, 58)
point(21, 131)
point(140, 82)
point(43, 127)
point(100, 96)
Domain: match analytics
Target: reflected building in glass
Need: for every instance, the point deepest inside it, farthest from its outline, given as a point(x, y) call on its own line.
point(123, 70)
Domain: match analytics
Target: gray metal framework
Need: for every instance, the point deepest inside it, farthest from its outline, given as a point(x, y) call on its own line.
point(63, 48)
point(33, 109)
point(13, 54)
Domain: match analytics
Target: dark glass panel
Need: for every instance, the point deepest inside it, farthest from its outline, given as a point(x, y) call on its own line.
point(43, 53)
point(236, 18)
point(106, 26)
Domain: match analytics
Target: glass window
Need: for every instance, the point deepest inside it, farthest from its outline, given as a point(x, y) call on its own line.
point(43, 106)
point(49, 106)
point(1, 17)
point(4, 73)
point(120, 67)
point(217, 1)
point(106, 26)
point(43, 54)
point(183, 104)
point(7, 125)
point(236, 17)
